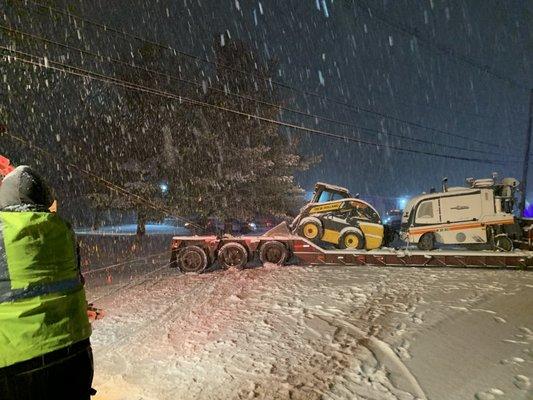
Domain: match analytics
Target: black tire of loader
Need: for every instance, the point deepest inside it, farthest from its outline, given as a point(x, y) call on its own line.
point(317, 239)
point(360, 237)
point(273, 252)
point(192, 259)
point(426, 241)
point(232, 254)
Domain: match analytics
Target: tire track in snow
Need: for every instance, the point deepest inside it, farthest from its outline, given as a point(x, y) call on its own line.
point(382, 351)
point(161, 317)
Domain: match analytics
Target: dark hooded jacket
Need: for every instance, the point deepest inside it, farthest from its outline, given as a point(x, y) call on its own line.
point(23, 189)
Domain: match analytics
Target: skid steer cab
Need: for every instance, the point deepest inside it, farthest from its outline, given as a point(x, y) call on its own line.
point(337, 218)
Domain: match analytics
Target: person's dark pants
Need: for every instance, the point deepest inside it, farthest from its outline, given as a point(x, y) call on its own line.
point(63, 374)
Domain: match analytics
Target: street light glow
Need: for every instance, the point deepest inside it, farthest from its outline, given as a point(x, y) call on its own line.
point(402, 202)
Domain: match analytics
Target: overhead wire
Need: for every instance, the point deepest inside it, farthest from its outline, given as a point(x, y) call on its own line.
point(240, 96)
point(130, 261)
point(136, 281)
point(65, 68)
point(441, 48)
point(175, 51)
point(481, 116)
point(101, 180)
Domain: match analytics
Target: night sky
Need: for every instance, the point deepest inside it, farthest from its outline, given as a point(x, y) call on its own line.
point(353, 55)
point(371, 62)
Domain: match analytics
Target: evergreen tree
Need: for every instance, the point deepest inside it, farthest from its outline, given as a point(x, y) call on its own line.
point(234, 167)
point(130, 126)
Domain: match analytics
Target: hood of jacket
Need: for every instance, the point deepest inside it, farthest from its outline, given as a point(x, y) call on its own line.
point(24, 189)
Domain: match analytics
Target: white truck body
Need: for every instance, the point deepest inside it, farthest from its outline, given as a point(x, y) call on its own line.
point(457, 216)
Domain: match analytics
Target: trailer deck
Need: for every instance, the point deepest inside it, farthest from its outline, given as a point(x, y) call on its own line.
point(301, 251)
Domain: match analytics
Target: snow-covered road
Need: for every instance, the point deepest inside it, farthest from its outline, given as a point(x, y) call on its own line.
point(317, 333)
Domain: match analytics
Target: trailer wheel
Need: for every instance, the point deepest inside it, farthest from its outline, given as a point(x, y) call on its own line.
point(352, 239)
point(232, 254)
point(273, 252)
point(426, 241)
point(503, 243)
point(192, 259)
point(311, 228)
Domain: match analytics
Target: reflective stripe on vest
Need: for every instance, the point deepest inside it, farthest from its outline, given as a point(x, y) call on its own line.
point(65, 286)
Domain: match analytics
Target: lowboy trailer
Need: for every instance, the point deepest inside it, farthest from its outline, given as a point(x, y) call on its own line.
point(198, 253)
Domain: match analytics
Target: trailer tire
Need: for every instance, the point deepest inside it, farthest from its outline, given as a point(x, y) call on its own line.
point(311, 229)
point(233, 254)
point(192, 259)
point(503, 243)
point(273, 252)
point(352, 239)
point(426, 241)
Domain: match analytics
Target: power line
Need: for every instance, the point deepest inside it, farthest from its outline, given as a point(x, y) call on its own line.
point(441, 48)
point(60, 67)
point(123, 263)
point(102, 181)
point(486, 117)
point(174, 51)
point(129, 284)
point(243, 97)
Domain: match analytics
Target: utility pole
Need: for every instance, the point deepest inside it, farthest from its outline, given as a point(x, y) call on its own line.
point(529, 134)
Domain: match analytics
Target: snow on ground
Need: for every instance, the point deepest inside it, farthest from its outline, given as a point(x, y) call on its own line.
point(316, 333)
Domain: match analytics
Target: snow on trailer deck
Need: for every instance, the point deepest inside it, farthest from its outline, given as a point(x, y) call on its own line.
point(307, 253)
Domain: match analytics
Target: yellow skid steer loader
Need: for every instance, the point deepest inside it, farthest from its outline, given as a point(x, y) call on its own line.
point(336, 217)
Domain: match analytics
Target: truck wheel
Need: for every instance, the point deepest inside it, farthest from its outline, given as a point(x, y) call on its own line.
point(273, 252)
point(503, 243)
point(232, 254)
point(352, 239)
point(426, 241)
point(192, 259)
point(311, 229)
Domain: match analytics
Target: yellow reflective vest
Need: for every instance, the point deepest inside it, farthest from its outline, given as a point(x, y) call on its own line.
point(42, 300)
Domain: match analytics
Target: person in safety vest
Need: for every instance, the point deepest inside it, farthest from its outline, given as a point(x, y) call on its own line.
point(45, 351)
